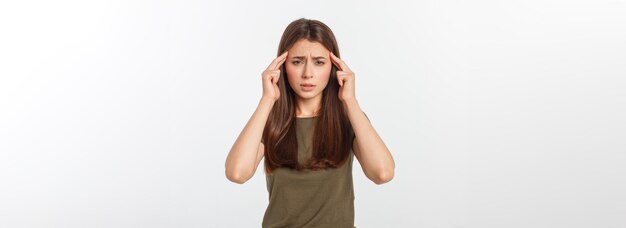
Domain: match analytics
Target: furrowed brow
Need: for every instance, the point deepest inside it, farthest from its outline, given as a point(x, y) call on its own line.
point(304, 57)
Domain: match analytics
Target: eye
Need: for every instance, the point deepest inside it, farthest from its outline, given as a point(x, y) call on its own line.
point(295, 62)
point(320, 62)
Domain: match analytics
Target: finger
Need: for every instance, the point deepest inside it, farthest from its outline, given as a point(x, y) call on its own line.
point(280, 63)
point(340, 79)
point(340, 63)
point(277, 60)
point(276, 78)
point(334, 61)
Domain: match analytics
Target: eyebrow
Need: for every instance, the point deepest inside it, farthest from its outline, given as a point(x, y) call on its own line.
point(304, 57)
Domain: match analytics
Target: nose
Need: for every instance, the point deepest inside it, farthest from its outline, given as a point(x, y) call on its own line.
point(308, 71)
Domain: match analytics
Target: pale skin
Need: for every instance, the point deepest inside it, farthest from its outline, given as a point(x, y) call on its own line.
point(309, 62)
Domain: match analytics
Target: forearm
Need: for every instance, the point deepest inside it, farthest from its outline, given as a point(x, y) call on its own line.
point(374, 155)
point(242, 156)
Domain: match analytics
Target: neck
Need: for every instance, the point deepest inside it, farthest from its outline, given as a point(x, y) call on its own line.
point(308, 107)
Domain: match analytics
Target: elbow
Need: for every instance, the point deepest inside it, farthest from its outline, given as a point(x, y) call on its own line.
point(383, 177)
point(236, 177)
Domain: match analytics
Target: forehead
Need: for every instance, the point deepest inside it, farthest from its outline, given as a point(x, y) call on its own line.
point(307, 48)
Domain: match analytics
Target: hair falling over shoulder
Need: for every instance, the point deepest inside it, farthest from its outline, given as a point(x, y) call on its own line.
point(332, 131)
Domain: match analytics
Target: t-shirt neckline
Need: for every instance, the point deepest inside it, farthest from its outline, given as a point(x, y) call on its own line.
point(307, 117)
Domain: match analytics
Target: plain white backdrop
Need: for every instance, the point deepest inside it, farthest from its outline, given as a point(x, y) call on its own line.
point(498, 113)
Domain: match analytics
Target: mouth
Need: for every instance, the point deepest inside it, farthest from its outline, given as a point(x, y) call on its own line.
point(307, 86)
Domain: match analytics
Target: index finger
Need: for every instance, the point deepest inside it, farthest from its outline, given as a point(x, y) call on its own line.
point(277, 61)
point(340, 63)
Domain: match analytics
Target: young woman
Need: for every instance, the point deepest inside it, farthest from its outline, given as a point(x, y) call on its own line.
point(308, 126)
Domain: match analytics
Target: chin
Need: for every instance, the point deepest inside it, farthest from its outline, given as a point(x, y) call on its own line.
point(307, 95)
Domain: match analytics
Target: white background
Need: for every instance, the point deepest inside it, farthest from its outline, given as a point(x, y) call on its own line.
point(498, 113)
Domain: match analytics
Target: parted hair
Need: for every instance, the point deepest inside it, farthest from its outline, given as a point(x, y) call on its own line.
point(332, 133)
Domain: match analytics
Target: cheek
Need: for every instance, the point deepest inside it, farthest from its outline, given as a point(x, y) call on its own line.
point(323, 76)
point(291, 71)
point(325, 72)
point(293, 75)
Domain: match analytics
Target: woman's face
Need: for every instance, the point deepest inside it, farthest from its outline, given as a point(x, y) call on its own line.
point(308, 63)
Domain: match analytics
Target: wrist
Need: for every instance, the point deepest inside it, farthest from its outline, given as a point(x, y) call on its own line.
point(351, 104)
point(267, 101)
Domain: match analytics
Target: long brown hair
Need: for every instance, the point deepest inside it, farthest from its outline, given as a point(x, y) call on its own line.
point(332, 135)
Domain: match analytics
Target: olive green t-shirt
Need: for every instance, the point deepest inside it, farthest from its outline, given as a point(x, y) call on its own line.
point(307, 198)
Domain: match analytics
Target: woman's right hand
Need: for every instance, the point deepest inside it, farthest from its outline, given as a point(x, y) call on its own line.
point(270, 77)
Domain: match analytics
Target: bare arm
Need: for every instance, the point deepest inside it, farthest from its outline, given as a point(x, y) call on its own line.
point(368, 147)
point(247, 151)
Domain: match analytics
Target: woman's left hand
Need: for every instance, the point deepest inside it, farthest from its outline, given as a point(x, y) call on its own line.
point(345, 76)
